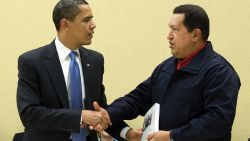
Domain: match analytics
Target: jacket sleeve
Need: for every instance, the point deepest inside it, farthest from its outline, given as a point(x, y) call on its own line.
point(137, 102)
point(34, 115)
point(221, 86)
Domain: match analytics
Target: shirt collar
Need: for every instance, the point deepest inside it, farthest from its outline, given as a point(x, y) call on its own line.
point(186, 61)
point(194, 65)
point(62, 50)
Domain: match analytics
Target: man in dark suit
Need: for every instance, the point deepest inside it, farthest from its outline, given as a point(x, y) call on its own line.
point(43, 98)
point(196, 88)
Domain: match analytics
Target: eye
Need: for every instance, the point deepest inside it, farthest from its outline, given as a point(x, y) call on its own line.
point(86, 20)
point(175, 29)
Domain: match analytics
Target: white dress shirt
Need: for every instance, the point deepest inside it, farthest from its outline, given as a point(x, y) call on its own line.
point(63, 54)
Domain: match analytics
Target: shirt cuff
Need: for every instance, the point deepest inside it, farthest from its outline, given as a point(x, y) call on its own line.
point(124, 131)
point(81, 120)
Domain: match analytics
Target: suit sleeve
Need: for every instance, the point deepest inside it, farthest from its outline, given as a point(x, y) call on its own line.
point(220, 96)
point(34, 115)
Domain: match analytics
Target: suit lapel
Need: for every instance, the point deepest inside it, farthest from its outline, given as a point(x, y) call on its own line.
point(54, 68)
point(87, 73)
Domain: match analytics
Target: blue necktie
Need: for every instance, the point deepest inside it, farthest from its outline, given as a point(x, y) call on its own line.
point(75, 90)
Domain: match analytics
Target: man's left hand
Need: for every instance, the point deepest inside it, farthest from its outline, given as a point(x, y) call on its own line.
point(159, 136)
point(134, 135)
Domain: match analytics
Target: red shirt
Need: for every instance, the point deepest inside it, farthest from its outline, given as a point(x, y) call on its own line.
point(186, 61)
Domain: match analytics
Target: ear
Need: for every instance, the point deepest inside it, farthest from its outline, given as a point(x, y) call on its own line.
point(196, 34)
point(64, 24)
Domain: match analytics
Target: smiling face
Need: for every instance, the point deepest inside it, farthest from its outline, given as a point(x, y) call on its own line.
point(180, 40)
point(81, 28)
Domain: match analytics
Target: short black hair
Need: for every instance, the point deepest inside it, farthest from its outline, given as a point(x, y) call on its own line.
point(66, 9)
point(195, 17)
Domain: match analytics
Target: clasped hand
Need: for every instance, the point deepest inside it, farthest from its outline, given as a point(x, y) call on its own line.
point(97, 120)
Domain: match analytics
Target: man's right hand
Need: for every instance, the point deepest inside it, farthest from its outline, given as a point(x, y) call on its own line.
point(105, 115)
point(95, 119)
point(103, 111)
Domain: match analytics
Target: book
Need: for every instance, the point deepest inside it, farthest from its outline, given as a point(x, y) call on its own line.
point(151, 121)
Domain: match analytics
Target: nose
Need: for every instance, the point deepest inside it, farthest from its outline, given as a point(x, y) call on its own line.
point(92, 25)
point(170, 36)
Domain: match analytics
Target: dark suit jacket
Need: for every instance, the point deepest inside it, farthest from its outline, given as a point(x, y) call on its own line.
point(42, 98)
point(197, 102)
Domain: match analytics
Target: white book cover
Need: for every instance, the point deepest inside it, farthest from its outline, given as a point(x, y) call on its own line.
point(151, 121)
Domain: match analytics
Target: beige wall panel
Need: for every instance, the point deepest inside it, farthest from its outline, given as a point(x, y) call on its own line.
point(131, 34)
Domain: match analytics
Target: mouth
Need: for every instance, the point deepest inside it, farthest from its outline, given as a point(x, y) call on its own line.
point(171, 45)
point(90, 34)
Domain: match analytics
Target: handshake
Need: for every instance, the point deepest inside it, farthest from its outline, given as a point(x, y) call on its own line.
point(99, 120)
